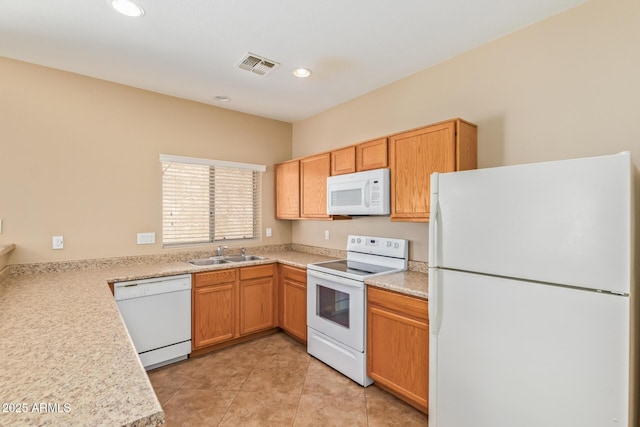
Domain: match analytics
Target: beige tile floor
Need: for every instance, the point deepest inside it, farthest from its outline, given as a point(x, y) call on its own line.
point(272, 381)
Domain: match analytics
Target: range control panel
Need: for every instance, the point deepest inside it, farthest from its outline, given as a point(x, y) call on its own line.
point(397, 248)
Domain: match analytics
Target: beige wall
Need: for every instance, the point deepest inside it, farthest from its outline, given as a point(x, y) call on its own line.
point(79, 158)
point(565, 87)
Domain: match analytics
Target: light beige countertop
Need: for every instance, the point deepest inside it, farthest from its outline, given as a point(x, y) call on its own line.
point(66, 357)
point(407, 282)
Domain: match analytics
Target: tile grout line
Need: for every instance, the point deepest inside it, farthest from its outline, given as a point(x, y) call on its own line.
point(228, 407)
point(295, 416)
point(237, 394)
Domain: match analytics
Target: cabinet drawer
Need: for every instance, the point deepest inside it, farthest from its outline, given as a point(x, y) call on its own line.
point(215, 277)
point(256, 271)
point(295, 274)
point(417, 308)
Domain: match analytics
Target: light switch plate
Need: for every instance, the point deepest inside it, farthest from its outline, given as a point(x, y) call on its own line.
point(146, 238)
point(268, 232)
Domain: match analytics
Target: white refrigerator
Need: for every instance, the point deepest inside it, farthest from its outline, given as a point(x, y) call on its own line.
point(532, 296)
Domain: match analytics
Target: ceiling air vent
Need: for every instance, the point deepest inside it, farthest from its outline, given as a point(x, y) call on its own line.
point(257, 64)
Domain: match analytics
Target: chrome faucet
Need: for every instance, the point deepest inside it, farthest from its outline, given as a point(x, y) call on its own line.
point(242, 251)
point(221, 249)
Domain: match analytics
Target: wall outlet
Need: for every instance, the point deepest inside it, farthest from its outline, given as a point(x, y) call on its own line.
point(146, 238)
point(57, 242)
point(268, 232)
point(326, 234)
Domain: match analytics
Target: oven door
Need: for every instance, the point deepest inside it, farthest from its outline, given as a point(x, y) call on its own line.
point(336, 308)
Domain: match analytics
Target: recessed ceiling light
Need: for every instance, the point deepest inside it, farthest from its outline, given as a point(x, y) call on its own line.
point(127, 7)
point(222, 98)
point(302, 72)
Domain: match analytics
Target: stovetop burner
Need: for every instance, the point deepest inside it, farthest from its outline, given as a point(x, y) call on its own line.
point(353, 267)
point(366, 257)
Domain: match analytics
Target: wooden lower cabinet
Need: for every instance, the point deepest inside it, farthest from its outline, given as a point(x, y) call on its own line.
point(293, 301)
point(214, 307)
point(398, 345)
point(231, 303)
point(257, 298)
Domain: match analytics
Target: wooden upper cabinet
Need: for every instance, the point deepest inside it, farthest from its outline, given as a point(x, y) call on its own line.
point(343, 160)
point(288, 190)
point(360, 157)
point(372, 155)
point(412, 156)
point(415, 155)
point(314, 171)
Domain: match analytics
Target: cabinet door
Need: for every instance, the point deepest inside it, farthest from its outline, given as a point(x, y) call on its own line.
point(398, 345)
point(256, 305)
point(294, 302)
point(413, 157)
point(213, 314)
point(314, 171)
point(343, 161)
point(372, 155)
point(288, 190)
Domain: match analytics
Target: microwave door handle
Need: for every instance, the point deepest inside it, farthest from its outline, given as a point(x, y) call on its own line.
point(366, 196)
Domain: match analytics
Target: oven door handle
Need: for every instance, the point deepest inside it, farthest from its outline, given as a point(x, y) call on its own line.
point(336, 279)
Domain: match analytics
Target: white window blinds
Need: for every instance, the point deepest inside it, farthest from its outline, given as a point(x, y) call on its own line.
point(206, 201)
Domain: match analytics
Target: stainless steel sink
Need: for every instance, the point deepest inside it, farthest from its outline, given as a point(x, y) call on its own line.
point(224, 260)
point(208, 261)
point(242, 258)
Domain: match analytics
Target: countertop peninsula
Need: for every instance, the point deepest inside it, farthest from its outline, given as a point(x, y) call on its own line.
point(67, 358)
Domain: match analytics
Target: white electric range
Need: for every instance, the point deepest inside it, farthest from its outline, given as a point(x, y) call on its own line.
point(336, 301)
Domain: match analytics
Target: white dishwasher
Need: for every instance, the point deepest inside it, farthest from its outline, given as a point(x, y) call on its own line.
point(157, 313)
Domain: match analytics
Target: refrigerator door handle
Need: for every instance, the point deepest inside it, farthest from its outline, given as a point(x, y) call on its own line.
point(435, 319)
point(434, 311)
point(433, 221)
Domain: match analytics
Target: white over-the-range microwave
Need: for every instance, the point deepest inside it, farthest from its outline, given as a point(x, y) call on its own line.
point(360, 193)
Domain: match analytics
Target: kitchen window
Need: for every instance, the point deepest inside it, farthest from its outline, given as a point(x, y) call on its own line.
point(207, 201)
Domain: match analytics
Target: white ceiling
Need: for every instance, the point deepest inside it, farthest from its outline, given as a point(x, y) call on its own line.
point(191, 48)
